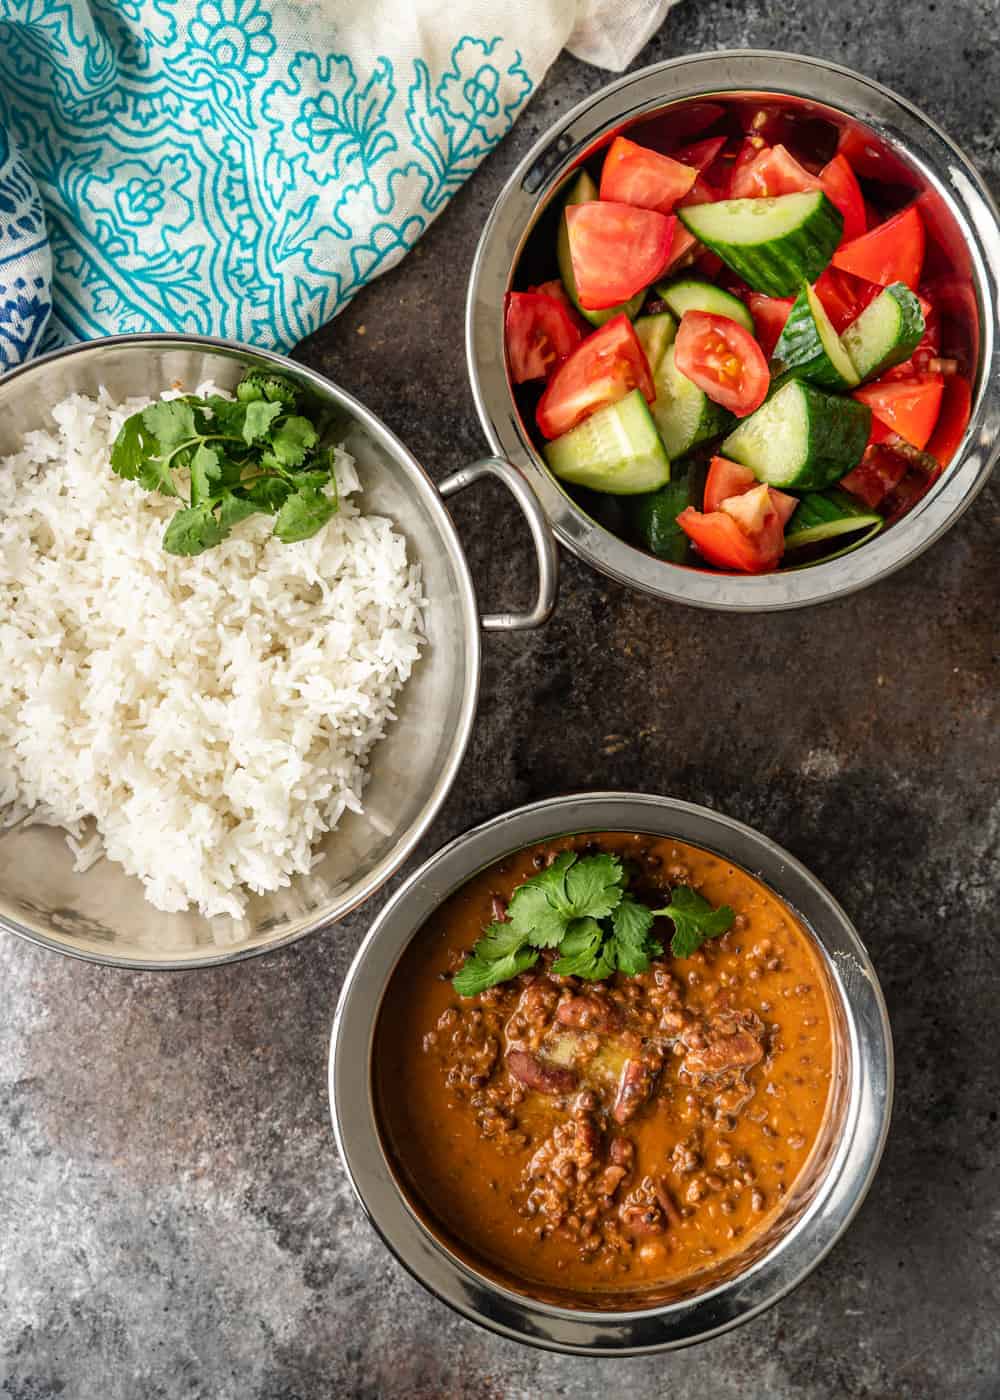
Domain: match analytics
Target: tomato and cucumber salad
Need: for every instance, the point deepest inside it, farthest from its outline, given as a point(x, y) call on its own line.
point(740, 362)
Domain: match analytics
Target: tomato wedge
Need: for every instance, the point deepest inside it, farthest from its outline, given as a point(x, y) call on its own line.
point(891, 252)
point(721, 540)
point(700, 154)
point(842, 189)
point(605, 367)
point(701, 192)
point(723, 360)
point(748, 152)
point(540, 332)
point(617, 250)
point(953, 419)
point(725, 479)
point(769, 317)
point(879, 472)
point(844, 297)
point(772, 171)
point(928, 349)
point(634, 174)
point(909, 407)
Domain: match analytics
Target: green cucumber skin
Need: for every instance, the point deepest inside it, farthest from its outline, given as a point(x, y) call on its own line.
point(822, 515)
point(695, 294)
point(652, 518)
point(584, 191)
point(800, 352)
point(838, 432)
point(910, 333)
point(779, 266)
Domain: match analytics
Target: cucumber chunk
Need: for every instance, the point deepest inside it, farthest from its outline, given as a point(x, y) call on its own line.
point(774, 244)
point(656, 335)
point(652, 519)
point(809, 348)
point(692, 294)
point(801, 438)
point(824, 515)
point(583, 191)
point(886, 333)
point(617, 449)
point(684, 414)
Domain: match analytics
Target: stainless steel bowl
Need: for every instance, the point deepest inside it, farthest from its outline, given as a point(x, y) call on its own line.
point(102, 914)
point(824, 1201)
point(907, 145)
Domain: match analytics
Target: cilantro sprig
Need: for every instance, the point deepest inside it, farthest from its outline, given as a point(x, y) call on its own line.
point(581, 907)
point(257, 453)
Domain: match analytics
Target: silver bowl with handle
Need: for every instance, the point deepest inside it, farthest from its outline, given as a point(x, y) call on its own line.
point(822, 1202)
point(102, 914)
point(899, 143)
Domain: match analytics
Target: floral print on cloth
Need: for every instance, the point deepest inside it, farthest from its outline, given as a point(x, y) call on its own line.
point(237, 167)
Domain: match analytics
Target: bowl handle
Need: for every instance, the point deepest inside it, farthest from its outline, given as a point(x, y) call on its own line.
point(545, 546)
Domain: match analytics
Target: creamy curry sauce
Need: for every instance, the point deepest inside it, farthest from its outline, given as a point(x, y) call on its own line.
point(599, 1138)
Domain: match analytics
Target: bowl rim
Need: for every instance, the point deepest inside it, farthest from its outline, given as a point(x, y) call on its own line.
point(338, 908)
point(839, 1193)
point(898, 122)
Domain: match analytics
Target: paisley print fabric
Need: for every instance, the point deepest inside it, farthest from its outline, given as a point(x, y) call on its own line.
point(238, 167)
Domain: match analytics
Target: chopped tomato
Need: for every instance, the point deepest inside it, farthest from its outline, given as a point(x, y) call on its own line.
point(723, 360)
point(636, 175)
point(891, 252)
point(844, 297)
point(617, 250)
point(721, 539)
point(769, 317)
point(953, 419)
point(772, 171)
point(748, 152)
point(605, 367)
point(913, 488)
point(908, 406)
point(700, 154)
point(701, 192)
point(725, 479)
point(879, 472)
point(539, 332)
point(708, 264)
point(684, 244)
point(841, 187)
point(927, 351)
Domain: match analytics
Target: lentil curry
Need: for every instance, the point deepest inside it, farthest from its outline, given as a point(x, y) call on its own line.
point(607, 1137)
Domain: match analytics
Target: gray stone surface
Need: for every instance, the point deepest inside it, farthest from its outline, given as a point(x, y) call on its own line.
point(175, 1219)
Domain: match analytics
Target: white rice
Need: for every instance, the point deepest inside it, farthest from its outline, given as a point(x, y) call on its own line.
point(214, 715)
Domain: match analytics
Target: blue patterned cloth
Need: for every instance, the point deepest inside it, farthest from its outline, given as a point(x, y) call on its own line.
point(238, 167)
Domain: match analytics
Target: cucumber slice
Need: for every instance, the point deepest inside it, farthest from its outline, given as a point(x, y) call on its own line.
point(583, 191)
point(652, 519)
point(809, 348)
point(617, 449)
point(801, 438)
point(824, 515)
point(656, 335)
point(774, 244)
point(692, 294)
point(684, 414)
point(886, 333)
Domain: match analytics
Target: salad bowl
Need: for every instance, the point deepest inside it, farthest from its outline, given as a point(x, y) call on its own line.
point(665, 107)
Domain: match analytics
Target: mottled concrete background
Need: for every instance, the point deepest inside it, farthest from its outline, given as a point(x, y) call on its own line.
point(175, 1219)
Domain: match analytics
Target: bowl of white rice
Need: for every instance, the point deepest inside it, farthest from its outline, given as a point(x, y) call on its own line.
point(205, 758)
